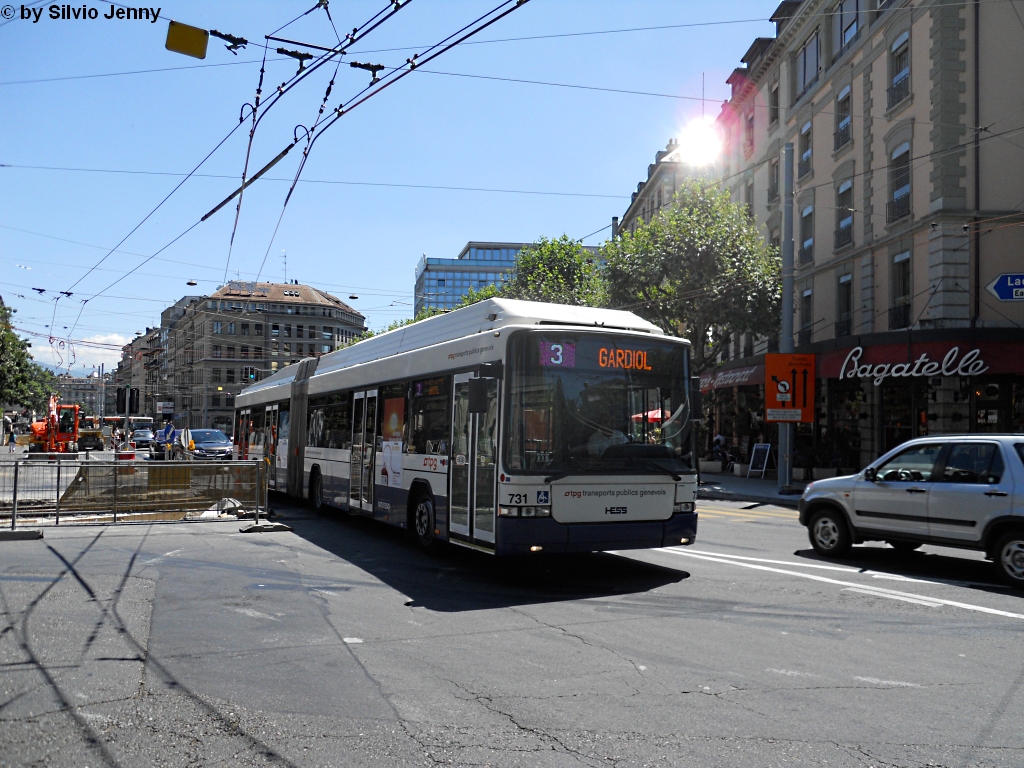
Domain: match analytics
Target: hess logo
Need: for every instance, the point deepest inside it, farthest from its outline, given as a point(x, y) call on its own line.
point(615, 510)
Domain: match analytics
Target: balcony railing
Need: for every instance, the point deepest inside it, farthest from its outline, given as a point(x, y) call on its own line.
point(897, 208)
point(804, 337)
point(843, 135)
point(844, 327)
point(899, 317)
point(807, 255)
point(803, 167)
point(844, 236)
point(898, 91)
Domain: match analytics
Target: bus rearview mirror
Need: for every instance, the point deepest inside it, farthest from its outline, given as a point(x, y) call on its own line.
point(478, 395)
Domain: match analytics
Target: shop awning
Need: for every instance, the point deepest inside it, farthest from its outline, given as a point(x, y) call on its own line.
point(733, 377)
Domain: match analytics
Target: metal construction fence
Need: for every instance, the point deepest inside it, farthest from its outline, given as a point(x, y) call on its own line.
point(35, 493)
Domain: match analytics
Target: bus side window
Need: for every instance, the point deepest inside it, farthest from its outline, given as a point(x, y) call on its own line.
point(338, 422)
point(430, 417)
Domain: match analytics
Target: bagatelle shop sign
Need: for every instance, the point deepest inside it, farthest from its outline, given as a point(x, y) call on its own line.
point(890, 363)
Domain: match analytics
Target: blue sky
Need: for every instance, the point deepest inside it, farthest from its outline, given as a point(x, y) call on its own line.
point(355, 237)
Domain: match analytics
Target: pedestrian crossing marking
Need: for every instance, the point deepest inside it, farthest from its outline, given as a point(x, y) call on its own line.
point(739, 514)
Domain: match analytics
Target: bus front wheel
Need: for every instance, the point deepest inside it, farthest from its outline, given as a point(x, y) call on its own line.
point(423, 521)
point(316, 491)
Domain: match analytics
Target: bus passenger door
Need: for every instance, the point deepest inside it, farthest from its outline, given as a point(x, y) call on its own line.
point(270, 434)
point(364, 421)
point(280, 472)
point(474, 458)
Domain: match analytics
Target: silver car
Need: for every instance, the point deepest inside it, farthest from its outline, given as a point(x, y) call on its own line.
point(962, 491)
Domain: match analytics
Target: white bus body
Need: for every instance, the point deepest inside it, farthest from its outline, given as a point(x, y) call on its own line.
point(507, 426)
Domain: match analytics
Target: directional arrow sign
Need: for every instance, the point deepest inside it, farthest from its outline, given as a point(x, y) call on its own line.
point(1009, 286)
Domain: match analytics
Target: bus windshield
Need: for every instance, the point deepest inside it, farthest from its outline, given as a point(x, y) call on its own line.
point(596, 402)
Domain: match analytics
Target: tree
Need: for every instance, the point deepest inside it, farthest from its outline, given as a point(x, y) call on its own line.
point(699, 269)
point(558, 271)
point(22, 381)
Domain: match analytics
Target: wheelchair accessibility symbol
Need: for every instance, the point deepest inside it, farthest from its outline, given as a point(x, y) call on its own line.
point(542, 497)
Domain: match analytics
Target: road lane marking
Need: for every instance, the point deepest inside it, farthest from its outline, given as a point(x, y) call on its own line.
point(893, 683)
point(352, 640)
point(875, 593)
point(826, 580)
point(161, 557)
point(752, 513)
point(789, 672)
point(256, 614)
point(780, 562)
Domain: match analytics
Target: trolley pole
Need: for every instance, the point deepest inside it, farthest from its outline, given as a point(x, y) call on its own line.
point(786, 325)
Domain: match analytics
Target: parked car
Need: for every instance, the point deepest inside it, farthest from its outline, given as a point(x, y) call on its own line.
point(210, 445)
point(963, 491)
point(142, 438)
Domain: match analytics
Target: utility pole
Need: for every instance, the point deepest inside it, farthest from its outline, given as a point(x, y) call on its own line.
point(786, 329)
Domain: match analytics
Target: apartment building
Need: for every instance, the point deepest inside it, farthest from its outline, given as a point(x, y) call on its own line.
point(441, 283)
point(908, 129)
point(208, 348)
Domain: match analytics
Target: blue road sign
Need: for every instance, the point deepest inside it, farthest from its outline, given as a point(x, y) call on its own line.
point(1008, 287)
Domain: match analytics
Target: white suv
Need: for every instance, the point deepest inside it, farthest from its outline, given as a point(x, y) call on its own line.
point(954, 490)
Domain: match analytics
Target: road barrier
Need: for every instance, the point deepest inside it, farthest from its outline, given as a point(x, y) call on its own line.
point(77, 491)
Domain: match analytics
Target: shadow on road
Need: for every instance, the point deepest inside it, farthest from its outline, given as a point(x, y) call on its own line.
point(937, 566)
point(457, 579)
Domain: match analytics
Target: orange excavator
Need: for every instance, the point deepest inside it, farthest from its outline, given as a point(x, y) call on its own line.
point(58, 432)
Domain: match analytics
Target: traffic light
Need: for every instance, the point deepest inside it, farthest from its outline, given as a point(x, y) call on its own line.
point(122, 397)
point(133, 400)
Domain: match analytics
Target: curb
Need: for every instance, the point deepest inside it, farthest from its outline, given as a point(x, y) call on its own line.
point(20, 535)
point(778, 501)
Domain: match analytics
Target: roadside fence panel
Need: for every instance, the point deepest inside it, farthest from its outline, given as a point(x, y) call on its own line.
point(40, 492)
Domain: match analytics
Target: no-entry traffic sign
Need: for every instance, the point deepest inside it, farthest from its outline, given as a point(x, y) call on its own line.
point(789, 388)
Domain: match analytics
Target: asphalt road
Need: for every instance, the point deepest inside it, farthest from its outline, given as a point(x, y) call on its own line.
point(340, 644)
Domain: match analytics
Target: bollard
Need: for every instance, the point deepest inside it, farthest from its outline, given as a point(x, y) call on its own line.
point(14, 508)
point(57, 508)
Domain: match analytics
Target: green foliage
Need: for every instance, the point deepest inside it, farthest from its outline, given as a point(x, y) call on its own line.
point(473, 296)
point(558, 271)
point(22, 381)
point(700, 269)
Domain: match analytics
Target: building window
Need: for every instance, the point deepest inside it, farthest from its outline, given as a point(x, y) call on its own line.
point(218, 327)
point(215, 375)
point(807, 64)
point(844, 215)
point(805, 150)
point(275, 330)
point(327, 333)
point(844, 111)
point(748, 198)
point(325, 348)
point(287, 331)
point(806, 317)
point(844, 25)
point(216, 350)
point(899, 184)
point(899, 310)
point(245, 352)
point(245, 329)
point(230, 352)
point(259, 329)
point(311, 331)
point(773, 181)
point(440, 282)
point(231, 329)
point(215, 401)
point(899, 68)
point(257, 352)
point(748, 134)
point(230, 377)
point(299, 332)
point(807, 235)
point(775, 239)
point(229, 401)
point(773, 105)
point(844, 306)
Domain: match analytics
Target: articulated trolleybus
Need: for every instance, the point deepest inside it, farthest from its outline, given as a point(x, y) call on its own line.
point(506, 426)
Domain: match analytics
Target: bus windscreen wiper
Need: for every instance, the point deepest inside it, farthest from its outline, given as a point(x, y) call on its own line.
point(667, 471)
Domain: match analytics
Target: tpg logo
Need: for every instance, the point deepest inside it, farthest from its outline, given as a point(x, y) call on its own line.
point(615, 510)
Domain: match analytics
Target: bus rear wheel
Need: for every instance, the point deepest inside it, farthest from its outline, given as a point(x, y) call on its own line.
point(423, 521)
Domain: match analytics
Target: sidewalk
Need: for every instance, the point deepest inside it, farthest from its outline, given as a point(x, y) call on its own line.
point(724, 487)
